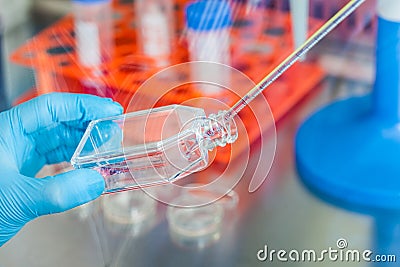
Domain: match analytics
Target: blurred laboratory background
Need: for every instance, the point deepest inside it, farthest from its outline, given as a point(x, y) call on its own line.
point(288, 183)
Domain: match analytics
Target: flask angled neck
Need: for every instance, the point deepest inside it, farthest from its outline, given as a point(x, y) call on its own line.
point(218, 130)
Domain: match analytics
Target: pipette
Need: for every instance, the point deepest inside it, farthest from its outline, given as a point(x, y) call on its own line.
point(163, 145)
point(292, 58)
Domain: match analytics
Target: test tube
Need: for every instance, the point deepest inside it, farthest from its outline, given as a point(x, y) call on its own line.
point(299, 12)
point(155, 29)
point(93, 31)
point(208, 26)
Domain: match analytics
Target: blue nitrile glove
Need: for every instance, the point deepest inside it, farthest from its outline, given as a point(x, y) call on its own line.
point(45, 130)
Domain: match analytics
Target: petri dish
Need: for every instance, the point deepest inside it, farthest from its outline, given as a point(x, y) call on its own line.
point(130, 209)
point(197, 226)
point(195, 218)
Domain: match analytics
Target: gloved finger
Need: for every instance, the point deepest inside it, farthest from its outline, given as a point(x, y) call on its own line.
point(33, 164)
point(17, 199)
point(68, 190)
point(49, 110)
point(46, 153)
point(79, 125)
point(61, 154)
point(60, 136)
point(105, 136)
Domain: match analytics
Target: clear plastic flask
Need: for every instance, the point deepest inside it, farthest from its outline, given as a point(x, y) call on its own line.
point(151, 147)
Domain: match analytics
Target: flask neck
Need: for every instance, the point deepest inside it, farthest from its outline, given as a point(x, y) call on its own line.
point(218, 130)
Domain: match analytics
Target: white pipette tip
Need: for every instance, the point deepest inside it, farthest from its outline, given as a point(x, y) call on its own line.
point(299, 13)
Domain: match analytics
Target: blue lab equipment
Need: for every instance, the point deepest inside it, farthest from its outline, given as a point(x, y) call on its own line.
point(350, 150)
point(208, 15)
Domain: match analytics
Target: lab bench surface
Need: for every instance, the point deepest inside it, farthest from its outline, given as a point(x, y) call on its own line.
point(281, 215)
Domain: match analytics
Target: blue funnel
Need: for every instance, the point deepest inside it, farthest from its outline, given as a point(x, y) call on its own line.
point(349, 151)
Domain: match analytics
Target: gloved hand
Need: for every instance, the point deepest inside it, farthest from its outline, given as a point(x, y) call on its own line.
point(45, 130)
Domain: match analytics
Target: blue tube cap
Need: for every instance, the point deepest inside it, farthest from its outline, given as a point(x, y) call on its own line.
point(208, 15)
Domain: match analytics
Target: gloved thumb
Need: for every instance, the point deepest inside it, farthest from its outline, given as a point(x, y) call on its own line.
point(68, 190)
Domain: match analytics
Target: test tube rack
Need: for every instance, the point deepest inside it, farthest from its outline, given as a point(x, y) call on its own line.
point(259, 42)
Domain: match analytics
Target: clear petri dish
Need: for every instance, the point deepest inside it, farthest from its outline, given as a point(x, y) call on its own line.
point(131, 209)
point(194, 226)
point(195, 218)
